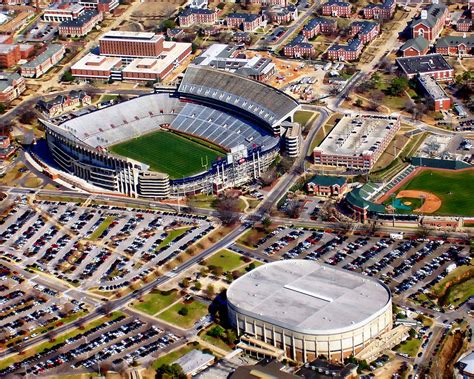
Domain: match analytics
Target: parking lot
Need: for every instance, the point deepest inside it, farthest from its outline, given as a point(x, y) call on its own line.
point(28, 309)
point(98, 246)
point(115, 341)
point(406, 266)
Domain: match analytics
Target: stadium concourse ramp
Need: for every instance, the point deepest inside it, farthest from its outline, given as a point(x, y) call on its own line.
point(240, 115)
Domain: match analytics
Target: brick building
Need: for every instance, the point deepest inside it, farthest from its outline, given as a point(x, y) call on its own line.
point(433, 65)
point(438, 99)
point(327, 186)
point(265, 3)
point(81, 25)
point(104, 6)
point(337, 8)
point(195, 16)
point(346, 52)
point(384, 11)
point(319, 25)
point(464, 25)
point(7, 149)
point(131, 44)
point(299, 47)
point(11, 86)
point(43, 62)
point(415, 47)
point(430, 23)
point(366, 31)
point(64, 103)
point(245, 21)
point(455, 45)
point(9, 55)
point(282, 15)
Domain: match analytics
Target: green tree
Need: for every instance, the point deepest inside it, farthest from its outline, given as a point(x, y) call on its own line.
point(397, 86)
point(173, 371)
point(251, 266)
point(266, 222)
point(168, 24)
point(197, 286)
point(216, 331)
point(358, 102)
point(2, 108)
point(183, 311)
point(67, 77)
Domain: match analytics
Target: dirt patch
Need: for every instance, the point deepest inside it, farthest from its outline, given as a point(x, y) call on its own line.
point(444, 361)
point(430, 204)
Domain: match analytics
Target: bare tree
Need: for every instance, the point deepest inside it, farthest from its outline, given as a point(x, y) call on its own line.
point(228, 209)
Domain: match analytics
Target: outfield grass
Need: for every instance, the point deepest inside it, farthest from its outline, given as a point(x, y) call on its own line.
point(196, 310)
point(453, 188)
point(226, 259)
point(155, 301)
point(168, 152)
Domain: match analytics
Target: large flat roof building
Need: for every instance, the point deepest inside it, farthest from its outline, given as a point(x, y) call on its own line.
point(434, 65)
point(357, 142)
point(309, 309)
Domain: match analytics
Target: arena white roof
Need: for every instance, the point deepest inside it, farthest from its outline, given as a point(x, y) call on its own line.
point(308, 297)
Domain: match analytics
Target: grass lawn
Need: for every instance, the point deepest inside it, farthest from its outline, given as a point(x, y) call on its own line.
point(168, 152)
point(459, 293)
point(102, 227)
point(453, 188)
point(459, 272)
point(156, 300)
point(196, 310)
point(302, 117)
point(213, 340)
point(171, 236)
point(410, 346)
point(173, 356)
point(326, 129)
point(252, 236)
point(226, 259)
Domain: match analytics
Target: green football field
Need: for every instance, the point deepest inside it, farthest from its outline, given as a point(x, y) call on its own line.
point(167, 152)
point(455, 189)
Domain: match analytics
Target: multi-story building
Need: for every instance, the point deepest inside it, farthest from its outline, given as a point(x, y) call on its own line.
point(347, 52)
point(299, 47)
point(319, 25)
point(60, 12)
point(64, 103)
point(43, 62)
point(196, 16)
point(104, 6)
point(9, 55)
point(384, 11)
point(247, 22)
point(366, 31)
point(430, 23)
point(415, 47)
point(265, 3)
point(438, 99)
point(357, 142)
point(291, 133)
point(81, 25)
point(337, 8)
point(131, 44)
point(231, 58)
point(11, 86)
point(282, 15)
point(134, 56)
point(433, 65)
point(455, 45)
point(464, 25)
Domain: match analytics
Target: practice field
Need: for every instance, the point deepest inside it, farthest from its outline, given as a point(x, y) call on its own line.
point(453, 188)
point(168, 153)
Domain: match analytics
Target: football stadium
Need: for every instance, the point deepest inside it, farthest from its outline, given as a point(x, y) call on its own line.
point(308, 309)
point(216, 130)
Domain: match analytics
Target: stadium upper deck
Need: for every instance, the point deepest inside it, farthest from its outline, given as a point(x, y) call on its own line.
point(260, 100)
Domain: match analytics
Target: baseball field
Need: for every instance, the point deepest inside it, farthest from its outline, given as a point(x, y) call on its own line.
point(453, 188)
point(168, 153)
